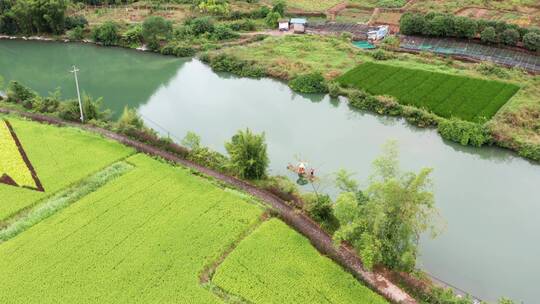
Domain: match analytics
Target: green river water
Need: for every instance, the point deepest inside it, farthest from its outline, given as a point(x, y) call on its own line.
point(487, 197)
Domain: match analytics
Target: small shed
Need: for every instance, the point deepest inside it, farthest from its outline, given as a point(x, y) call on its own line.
point(283, 24)
point(299, 25)
point(378, 32)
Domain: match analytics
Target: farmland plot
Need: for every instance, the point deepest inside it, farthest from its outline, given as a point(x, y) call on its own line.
point(446, 95)
point(60, 156)
point(143, 237)
point(275, 264)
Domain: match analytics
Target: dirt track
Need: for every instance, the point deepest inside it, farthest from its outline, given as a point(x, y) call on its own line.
point(344, 256)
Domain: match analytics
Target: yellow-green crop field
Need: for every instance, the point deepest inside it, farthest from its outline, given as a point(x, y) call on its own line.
point(12, 162)
point(277, 265)
point(148, 234)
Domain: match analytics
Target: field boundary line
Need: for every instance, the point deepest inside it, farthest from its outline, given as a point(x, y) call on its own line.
point(63, 199)
point(343, 255)
point(207, 274)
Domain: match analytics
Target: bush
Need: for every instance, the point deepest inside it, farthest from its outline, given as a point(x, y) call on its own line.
point(309, 83)
point(248, 154)
point(201, 25)
point(334, 89)
point(272, 19)
point(464, 132)
point(510, 37)
point(133, 37)
point(208, 158)
point(381, 55)
point(69, 110)
point(530, 151)
point(488, 35)
point(223, 32)
point(231, 64)
point(129, 119)
point(191, 141)
point(75, 21)
point(18, 93)
point(178, 49)
point(531, 41)
point(319, 207)
point(154, 29)
point(261, 13)
point(49, 104)
point(490, 69)
point(107, 33)
point(214, 7)
point(76, 34)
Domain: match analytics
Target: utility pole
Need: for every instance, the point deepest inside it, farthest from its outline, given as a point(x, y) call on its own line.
point(75, 70)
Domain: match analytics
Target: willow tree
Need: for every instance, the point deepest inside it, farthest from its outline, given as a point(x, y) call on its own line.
point(384, 222)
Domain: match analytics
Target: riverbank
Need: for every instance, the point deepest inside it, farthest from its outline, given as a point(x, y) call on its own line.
point(515, 126)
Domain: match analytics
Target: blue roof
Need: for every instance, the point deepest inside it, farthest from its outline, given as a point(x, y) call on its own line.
point(298, 20)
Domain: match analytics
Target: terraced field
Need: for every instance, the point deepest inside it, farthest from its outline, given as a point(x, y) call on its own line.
point(146, 231)
point(446, 95)
point(266, 265)
point(60, 156)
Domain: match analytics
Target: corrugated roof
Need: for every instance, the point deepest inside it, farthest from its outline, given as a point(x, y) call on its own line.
point(298, 20)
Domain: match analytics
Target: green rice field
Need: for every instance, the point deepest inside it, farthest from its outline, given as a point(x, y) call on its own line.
point(446, 95)
point(274, 260)
point(144, 231)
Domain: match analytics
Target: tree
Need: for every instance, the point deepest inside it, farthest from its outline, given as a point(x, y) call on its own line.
point(437, 26)
point(191, 141)
point(130, 119)
point(272, 19)
point(36, 16)
point(531, 41)
point(488, 35)
point(465, 27)
point(279, 7)
point(201, 25)
point(412, 24)
point(384, 224)
point(248, 154)
point(345, 182)
point(510, 37)
point(107, 33)
point(154, 29)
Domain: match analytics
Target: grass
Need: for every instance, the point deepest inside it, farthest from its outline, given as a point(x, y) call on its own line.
point(12, 162)
point(285, 57)
point(61, 157)
point(274, 260)
point(446, 95)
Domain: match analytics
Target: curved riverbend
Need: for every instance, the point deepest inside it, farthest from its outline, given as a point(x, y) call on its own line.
point(487, 197)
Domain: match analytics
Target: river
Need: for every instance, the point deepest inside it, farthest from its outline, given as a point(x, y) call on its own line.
point(487, 197)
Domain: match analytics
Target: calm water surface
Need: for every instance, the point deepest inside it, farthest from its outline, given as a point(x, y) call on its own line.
point(488, 198)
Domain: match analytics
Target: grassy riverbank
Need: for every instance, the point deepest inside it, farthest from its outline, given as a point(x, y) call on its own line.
point(515, 125)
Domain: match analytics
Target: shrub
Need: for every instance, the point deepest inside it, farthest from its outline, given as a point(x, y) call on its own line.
point(49, 104)
point(154, 29)
point(248, 154)
point(488, 35)
point(208, 158)
point(530, 151)
point(18, 93)
point(133, 36)
point(320, 208)
point(69, 110)
point(223, 32)
point(309, 83)
point(260, 13)
point(381, 55)
point(334, 89)
point(390, 42)
point(464, 132)
point(279, 7)
point(510, 37)
point(75, 21)
point(191, 141)
point(178, 49)
point(492, 69)
point(76, 34)
point(107, 33)
point(227, 63)
point(129, 119)
point(531, 41)
point(201, 25)
point(214, 7)
point(272, 19)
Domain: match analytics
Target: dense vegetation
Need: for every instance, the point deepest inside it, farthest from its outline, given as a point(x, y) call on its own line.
point(443, 94)
point(449, 25)
point(260, 271)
